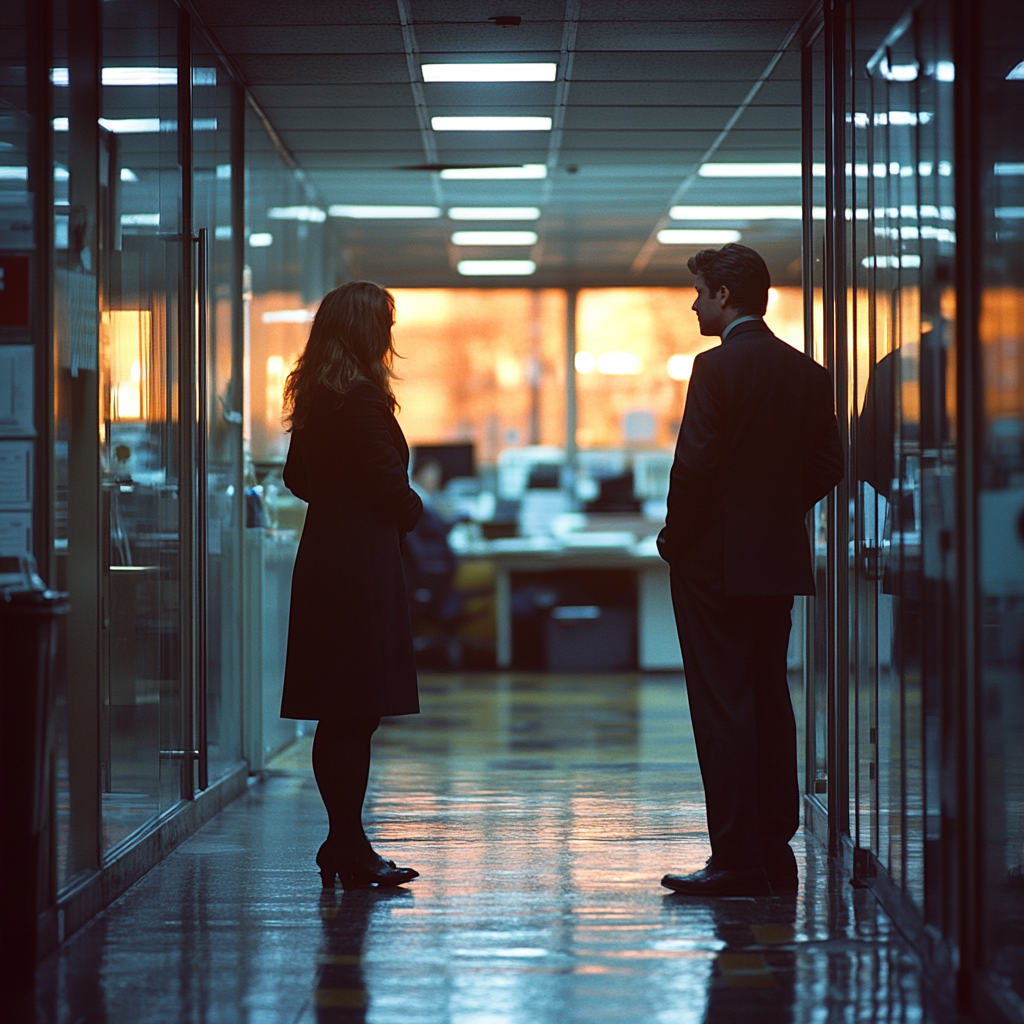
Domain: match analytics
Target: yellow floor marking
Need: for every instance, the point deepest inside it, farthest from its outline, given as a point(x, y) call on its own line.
point(773, 934)
point(340, 998)
point(745, 970)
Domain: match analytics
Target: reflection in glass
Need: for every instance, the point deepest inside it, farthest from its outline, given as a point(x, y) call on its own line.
point(901, 318)
point(212, 186)
point(1001, 501)
point(141, 740)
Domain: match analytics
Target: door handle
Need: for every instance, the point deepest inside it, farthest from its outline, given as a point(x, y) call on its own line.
point(202, 505)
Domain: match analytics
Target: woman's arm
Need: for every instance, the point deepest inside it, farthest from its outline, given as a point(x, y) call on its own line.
point(295, 478)
point(373, 450)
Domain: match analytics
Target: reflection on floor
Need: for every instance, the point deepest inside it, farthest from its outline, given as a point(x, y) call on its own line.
point(542, 812)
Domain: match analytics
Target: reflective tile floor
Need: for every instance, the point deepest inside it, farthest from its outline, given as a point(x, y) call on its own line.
point(542, 812)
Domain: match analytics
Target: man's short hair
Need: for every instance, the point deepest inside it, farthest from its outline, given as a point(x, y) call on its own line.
point(740, 269)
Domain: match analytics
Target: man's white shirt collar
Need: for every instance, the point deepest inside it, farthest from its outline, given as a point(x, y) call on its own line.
point(740, 320)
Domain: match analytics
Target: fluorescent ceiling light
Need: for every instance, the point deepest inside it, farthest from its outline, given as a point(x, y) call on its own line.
point(697, 236)
point(494, 238)
point(1010, 212)
point(141, 125)
point(619, 364)
point(127, 174)
point(495, 173)
point(898, 72)
point(61, 173)
point(311, 214)
point(1017, 73)
point(385, 212)
point(1010, 170)
point(261, 239)
point(736, 213)
point(496, 268)
point(224, 171)
point(911, 233)
point(222, 232)
point(893, 117)
point(680, 367)
point(140, 220)
point(491, 124)
point(13, 174)
point(891, 262)
point(135, 125)
point(494, 213)
point(489, 72)
point(141, 76)
point(751, 170)
point(288, 316)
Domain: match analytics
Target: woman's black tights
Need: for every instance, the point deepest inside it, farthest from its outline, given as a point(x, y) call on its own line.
point(341, 765)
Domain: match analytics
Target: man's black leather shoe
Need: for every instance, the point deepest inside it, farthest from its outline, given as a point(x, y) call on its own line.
point(709, 881)
point(784, 881)
point(781, 868)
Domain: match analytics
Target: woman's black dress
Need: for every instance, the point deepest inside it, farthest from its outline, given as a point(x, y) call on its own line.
point(350, 651)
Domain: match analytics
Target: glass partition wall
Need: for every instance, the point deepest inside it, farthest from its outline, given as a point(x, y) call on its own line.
point(885, 627)
point(998, 149)
point(916, 641)
point(147, 491)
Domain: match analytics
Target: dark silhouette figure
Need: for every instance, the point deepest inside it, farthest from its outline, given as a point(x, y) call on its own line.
point(350, 655)
point(758, 446)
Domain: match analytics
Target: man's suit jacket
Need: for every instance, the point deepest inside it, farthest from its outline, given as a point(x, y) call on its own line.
point(758, 447)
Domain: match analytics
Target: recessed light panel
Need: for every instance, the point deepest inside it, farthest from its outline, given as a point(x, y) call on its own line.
point(494, 238)
point(491, 124)
point(310, 214)
point(386, 212)
point(496, 268)
point(495, 173)
point(489, 72)
point(494, 213)
point(697, 236)
point(751, 170)
point(736, 213)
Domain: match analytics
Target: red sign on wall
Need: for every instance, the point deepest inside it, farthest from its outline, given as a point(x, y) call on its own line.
point(13, 291)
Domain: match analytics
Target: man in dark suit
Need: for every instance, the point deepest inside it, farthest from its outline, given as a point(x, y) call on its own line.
point(758, 447)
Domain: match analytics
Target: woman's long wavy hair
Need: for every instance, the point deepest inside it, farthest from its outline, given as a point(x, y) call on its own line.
point(350, 340)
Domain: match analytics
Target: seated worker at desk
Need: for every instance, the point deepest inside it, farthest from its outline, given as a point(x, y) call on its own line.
point(430, 563)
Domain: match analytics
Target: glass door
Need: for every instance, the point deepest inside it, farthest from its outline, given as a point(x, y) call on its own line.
point(902, 325)
point(142, 726)
point(220, 358)
point(818, 644)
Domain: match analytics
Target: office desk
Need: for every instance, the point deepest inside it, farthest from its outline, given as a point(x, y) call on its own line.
point(657, 642)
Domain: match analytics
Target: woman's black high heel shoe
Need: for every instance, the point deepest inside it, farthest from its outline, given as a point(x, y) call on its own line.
point(325, 862)
point(354, 874)
point(386, 874)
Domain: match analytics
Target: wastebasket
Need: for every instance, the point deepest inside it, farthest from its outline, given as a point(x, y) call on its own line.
point(28, 627)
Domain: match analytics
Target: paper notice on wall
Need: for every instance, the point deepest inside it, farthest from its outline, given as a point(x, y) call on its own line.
point(16, 402)
point(15, 533)
point(16, 474)
point(16, 221)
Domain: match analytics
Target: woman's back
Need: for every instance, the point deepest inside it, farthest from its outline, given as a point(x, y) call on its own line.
point(349, 637)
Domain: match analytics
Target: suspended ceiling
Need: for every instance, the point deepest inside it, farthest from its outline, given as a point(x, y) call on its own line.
point(643, 92)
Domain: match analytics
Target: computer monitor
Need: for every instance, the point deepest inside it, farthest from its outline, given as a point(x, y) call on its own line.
point(454, 459)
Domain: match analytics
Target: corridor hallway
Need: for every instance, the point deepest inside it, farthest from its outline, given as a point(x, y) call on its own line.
point(542, 811)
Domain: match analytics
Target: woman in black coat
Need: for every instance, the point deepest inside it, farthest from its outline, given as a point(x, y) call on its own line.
point(350, 654)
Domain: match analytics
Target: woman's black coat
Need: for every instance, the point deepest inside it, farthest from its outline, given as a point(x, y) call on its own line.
point(350, 650)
